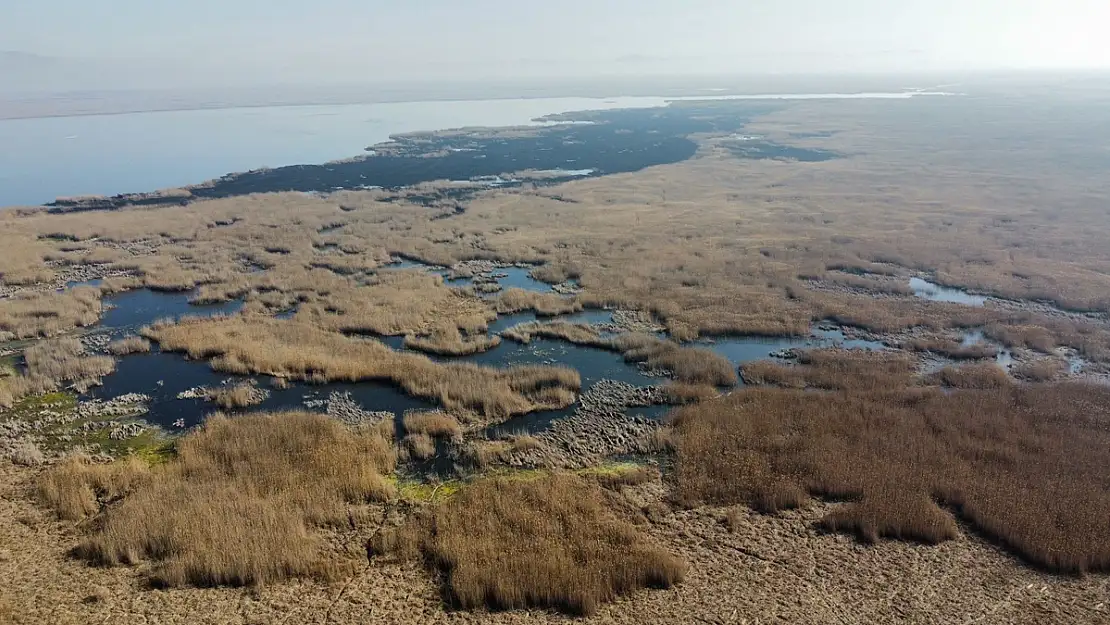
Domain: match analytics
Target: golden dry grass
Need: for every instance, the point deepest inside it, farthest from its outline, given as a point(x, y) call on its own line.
point(577, 333)
point(129, 345)
point(951, 349)
point(516, 300)
point(1040, 370)
point(679, 393)
point(419, 445)
point(446, 340)
point(835, 369)
point(691, 365)
point(398, 302)
point(237, 396)
point(437, 424)
point(41, 314)
point(238, 503)
point(78, 488)
point(52, 364)
point(549, 542)
point(980, 376)
point(1021, 464)
point(298, 350)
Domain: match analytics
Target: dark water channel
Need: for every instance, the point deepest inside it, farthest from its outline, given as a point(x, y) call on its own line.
point(163, 376)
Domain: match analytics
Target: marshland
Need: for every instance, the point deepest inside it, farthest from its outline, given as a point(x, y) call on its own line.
point(785, 377)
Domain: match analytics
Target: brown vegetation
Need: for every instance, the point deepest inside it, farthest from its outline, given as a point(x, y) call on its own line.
point(40, 314)
point(577, 333)
point(435, 423)
point(835, 369)
point(679, 393)
point(516, 300)
point(237, 396)
point(1040, 370)
point(1021, 464)
point(550, 542)
point(692, 365)
point(980, 376)
point(129, 345)
point(78, 487)
point(446, 340)
point(300, 351)
point(51, 365)
point(235, 506)
point(951, 349)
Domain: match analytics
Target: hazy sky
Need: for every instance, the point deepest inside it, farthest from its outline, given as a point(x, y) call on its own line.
point(356, 39)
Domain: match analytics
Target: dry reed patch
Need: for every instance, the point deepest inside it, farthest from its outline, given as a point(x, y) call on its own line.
point(976, 376)
point(58, 361)
point(42, 314)
point(951, 349)
point(835, 369)
point(238, 503)
point(577, 333)
point(78, 487)
point(691, 365)
point(549, 542)
point(1023, 464)
point(400, 302)
point(516, 300)
point(420, 446)
point(129, 345)
point(237, 396)
point(297, 350)
point(446, 340)
point(436, 423)
point(1040, 370)
point(679, 393)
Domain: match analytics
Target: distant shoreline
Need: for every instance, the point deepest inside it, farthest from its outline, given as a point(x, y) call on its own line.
point(717, 95)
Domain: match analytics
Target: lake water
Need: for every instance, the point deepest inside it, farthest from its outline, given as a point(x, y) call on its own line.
point(46, 158)
point(935, 292)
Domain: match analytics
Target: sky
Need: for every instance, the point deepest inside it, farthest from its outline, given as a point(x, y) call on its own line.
point(262, 41)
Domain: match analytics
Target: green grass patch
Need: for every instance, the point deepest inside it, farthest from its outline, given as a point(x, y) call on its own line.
point(59, 401)
point(153, 445)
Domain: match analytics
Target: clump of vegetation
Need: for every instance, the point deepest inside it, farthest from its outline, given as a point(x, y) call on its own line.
point(420, 445)
point(981, 376)
point(1023, 464)
point(129, 345)
point(577, 333)
point(295, 350)
point(236, 505)
point(79, 487)
point(1040, 370)
point(64, 360)
point(549, 542)
point(44, 314)
point(516, 300)
point(692, 365)
point(556, 273)
point(446, 340)
point(834, 369)
point(237, 396)
point(434, 423)
point(952, 349)
point(679, 393)
point(50, 365)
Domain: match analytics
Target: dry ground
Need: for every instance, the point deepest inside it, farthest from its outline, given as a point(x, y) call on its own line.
point(743, 568)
